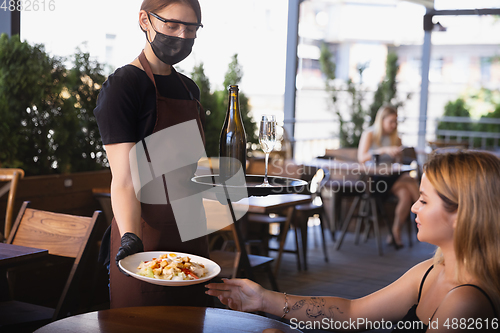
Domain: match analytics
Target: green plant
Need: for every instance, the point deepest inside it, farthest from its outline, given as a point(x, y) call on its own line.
point(455, 108)
point(47, 125)
point(386, 92)
point(213, 117)
point(350, 128)
point(84, 81)
point(215, 105)
point(492, 128)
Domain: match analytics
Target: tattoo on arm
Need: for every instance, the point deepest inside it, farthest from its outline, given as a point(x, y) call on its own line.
point(315, 307)
point(332, 308)
point(298, 305)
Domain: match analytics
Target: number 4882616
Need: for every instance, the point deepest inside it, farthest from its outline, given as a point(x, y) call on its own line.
point(28, 5)
point(471, 323)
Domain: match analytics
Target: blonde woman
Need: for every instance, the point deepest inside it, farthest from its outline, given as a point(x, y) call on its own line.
point(457, 291)
point(382, 139)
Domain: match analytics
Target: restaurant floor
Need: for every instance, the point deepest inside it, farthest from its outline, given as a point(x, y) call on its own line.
point(351, 272)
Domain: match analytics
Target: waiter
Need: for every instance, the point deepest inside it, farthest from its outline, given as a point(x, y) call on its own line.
point(136, 103)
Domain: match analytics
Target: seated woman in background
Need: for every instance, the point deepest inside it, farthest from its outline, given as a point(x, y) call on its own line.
point(457, 290)
point(382, 139)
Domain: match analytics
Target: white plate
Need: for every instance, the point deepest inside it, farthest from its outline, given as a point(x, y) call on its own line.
point(130, 264)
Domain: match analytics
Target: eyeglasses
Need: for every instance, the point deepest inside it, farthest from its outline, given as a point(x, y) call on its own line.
point(175, 28)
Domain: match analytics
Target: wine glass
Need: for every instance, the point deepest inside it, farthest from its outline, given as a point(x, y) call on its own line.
point(267, 139)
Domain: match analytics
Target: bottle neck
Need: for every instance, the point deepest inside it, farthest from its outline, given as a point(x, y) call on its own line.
point(234, 108)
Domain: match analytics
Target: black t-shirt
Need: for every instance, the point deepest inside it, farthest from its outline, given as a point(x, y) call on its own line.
point(126, 106)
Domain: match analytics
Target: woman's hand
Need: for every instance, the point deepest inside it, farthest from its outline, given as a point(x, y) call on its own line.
point(238, 294)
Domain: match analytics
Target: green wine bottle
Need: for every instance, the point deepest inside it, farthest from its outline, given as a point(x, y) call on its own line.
point(233, 142)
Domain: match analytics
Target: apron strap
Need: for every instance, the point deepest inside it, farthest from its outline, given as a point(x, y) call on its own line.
point(201, 111)
point(145, 64)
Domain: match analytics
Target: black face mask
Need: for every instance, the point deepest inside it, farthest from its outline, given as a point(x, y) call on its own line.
point(170, 49)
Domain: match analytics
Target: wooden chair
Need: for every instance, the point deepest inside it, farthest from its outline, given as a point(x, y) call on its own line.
point(232, 263)
point(264, 223)
point(284, 168)
point(343, 154)
point(315, 207)
point(11, 176)
point(62, 235)
point(103, 195)
point(341, 186)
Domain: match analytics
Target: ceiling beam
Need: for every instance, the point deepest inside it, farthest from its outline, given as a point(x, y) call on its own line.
point(459, 12)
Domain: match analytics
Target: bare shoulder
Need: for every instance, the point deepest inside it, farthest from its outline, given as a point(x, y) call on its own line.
point(364, 145)
point(393, 301)
point(367, 135)
point(413, 277)
point(465, 308)
point(469, 302)
point(419, 269)
point(410, 281)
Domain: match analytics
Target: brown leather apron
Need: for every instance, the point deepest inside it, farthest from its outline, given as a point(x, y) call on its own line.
point(159, 231)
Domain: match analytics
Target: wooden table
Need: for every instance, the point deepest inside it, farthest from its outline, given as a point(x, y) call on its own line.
point(165, 319)
point(15, 255)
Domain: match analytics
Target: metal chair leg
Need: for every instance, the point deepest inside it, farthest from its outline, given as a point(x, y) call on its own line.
point(362, 213)
point(346, 223)
point(368, 229)
point(322, 226)
point(297, 246)
point(376, 225)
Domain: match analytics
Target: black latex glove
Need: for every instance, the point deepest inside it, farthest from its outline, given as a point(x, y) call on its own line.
point(130, 244)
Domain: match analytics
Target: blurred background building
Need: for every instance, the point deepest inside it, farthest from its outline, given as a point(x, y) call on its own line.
point(359, 33)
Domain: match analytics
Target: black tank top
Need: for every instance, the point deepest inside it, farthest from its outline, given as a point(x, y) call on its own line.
point(414, 323)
